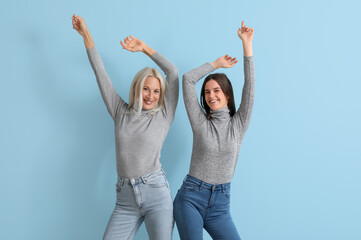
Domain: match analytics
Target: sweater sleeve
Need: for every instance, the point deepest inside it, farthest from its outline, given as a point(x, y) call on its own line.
point(244, 113)
point(172, 90)
point(195, 112)
point(111, 99)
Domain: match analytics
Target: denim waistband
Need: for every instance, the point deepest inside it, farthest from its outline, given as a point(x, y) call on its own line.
point(143, 179)
point(205, 185)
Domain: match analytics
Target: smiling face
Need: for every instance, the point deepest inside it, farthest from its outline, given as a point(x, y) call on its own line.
point(150, 93)
point(214, 96)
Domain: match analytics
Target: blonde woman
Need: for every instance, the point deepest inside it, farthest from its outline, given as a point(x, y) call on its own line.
point(141, 126)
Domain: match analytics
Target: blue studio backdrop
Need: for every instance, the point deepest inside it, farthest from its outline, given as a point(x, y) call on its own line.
point(298, 174)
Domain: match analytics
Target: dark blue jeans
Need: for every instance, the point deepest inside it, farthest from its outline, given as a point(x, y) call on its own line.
point(201, 205)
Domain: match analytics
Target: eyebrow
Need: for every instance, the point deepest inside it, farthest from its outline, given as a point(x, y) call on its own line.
point(149, 87)
point(212, 88)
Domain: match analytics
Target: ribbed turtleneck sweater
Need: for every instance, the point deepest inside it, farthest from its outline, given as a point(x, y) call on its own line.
point(216, 142)
point(138, 140)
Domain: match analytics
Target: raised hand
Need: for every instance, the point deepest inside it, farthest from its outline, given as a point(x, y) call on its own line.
point(79, 25)
point(133, 44)
point(245, 33)
point(225, 61)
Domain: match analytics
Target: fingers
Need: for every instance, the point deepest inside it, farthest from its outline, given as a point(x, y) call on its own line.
point(123, 45)
point(75, 24)
point(128, 39)
point(244, 28)
point(248, 29)
point(231, 61)
point(76, 21)
point(126, 43)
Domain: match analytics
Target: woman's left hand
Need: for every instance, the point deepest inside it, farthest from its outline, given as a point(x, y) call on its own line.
point(225, 61)
point(133, 44)
point(245, 33)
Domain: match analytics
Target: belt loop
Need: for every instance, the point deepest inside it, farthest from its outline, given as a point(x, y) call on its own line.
point(144, 180)
point(223, 188)
point(201, 185)
point(121, 181)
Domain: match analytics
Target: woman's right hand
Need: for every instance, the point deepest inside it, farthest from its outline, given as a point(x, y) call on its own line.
point(133, 44)
point(225, 61)
point(79, 25)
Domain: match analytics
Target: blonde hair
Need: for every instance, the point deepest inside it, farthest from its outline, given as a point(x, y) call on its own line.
point(135, 94)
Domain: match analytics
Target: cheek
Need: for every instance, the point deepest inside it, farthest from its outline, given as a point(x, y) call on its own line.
point(225, 100)
point(156, 99)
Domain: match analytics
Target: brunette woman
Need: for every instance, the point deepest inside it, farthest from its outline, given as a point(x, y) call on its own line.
point(203, 201)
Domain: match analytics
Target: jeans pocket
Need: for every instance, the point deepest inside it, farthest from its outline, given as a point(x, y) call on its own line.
point(189, 186)
point(156, 181)
point(228, 193)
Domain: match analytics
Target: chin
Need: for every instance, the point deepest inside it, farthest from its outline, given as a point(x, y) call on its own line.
point(148, 107)
point(216, 108)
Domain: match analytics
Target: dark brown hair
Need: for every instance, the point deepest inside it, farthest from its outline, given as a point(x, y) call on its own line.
point(227, 89)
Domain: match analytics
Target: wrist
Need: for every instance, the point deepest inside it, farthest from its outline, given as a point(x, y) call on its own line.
point(247, 49)
point(215, 65)
point(88, 40)
point(86, 33)
point(147, 50)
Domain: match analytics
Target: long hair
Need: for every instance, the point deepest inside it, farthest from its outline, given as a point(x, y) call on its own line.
point(227, 89)
point(135, 93)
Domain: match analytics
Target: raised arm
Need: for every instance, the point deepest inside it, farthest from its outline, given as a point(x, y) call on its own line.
point(170, 70)
point(244, 112)
point(111, 99)
point(194, 110)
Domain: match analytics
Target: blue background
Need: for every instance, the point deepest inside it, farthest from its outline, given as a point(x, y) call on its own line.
point(298, 174)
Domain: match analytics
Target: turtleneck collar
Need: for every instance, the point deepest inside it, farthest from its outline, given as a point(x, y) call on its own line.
point(221, 114)
point(145, 111)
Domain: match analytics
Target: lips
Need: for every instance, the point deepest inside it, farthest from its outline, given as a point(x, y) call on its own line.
point(148, 102)
point(213, 101)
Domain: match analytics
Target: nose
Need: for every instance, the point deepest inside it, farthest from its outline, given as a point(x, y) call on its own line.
point(150, 94)
point(211, 94)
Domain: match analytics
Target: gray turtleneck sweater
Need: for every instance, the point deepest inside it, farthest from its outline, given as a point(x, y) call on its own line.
point(216, 142)
point(138, 141)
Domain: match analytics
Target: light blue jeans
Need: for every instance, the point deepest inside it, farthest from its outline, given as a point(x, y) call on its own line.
point(141, 199)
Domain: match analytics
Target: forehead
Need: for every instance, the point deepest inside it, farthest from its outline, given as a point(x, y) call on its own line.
point(211, 84)
point(151, 81)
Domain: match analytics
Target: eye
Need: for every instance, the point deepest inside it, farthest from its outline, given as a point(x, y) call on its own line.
point(156, 91)
point(145, 88)
point(206, 92)
point(217, 90)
